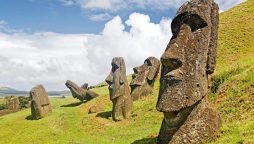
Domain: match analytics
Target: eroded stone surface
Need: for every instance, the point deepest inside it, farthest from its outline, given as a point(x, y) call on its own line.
point(95, 109)
point(119, 90)
point(40, 104)
point(81, 93)
point(186, 64)
point(143, 78)
point(12, 103)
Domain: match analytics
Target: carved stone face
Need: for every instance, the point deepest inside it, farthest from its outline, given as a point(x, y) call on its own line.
point(75, 89)
point(188, 58)
point(117, 78)
point(144, 77)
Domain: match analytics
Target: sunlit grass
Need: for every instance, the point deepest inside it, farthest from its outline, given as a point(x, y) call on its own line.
point(233, 97)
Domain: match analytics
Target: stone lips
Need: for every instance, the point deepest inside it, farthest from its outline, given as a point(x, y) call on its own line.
point(40, 104)
point(81, 93)
point(202, 124)
point(119, 90)
point(143, 78)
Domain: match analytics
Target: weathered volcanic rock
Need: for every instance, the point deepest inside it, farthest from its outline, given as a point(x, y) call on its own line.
point(186, 64)
point(12, 103)
point(95, 109)
point(81, 93)
point(119, 90)
point(40, 105)
point(143, 78)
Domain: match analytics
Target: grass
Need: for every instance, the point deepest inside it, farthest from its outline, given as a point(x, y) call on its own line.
point(232, 96)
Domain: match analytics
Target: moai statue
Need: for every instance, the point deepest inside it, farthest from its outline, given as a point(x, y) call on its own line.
point(186, 63)
point(119, 90)
point(12, 103)
point(40, 104)
point(81, 93)
point(144, 77)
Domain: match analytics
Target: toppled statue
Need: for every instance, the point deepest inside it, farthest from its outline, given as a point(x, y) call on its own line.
point(81, 93)
point(119, 90)
point(40, 104)
point(186, 63)
point(143, 78)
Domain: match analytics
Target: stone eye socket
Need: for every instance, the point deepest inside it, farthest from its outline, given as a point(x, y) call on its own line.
point(193, 20)
point(171, 63)
point(114, 67)
point(149, 63)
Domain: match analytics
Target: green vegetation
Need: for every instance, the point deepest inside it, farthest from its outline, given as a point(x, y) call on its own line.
point(3, 106)
point(232, 95)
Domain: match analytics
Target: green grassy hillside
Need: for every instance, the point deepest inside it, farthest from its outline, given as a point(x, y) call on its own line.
point(232, 95)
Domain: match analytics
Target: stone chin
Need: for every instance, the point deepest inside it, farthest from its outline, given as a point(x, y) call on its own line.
point(135, 91)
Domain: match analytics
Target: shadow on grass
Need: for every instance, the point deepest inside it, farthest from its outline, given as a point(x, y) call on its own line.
point(146, 141)
point(105, 115)
point(29, 117)
point(73, 104)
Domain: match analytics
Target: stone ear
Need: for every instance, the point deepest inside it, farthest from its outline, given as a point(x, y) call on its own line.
point(152, 73)
point(154, 70)
point(122, 71)
point(211, 55)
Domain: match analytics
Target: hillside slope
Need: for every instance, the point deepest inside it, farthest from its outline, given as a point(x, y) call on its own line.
point(232, 95)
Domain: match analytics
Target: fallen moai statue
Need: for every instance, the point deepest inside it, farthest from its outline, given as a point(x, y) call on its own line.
point(40, 104)
point(143, 78)
point(81, 93)
point(186, 64)
point(119, 90)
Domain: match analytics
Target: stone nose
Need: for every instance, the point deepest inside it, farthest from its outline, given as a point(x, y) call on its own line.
point(136, 70)
point(109, 79)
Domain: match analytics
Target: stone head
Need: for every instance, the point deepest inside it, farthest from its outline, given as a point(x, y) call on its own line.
point(144, 77)
point(75, 89)
point(189, 56)
point(117, 80)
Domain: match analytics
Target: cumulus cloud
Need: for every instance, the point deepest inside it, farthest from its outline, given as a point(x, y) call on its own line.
point(115, 5)
point(52, 58)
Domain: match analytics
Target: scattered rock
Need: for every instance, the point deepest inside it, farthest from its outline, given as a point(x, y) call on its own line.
point(95, 109)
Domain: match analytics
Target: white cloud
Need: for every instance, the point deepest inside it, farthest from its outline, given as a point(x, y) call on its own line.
point(107, 5)
point(112, 5)
point(115, 5)
point(227, 4)
point(52, 58)
point(100, 17)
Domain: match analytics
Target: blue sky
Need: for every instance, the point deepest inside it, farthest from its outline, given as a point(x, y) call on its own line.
point(50, 41)
point(56, 16)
